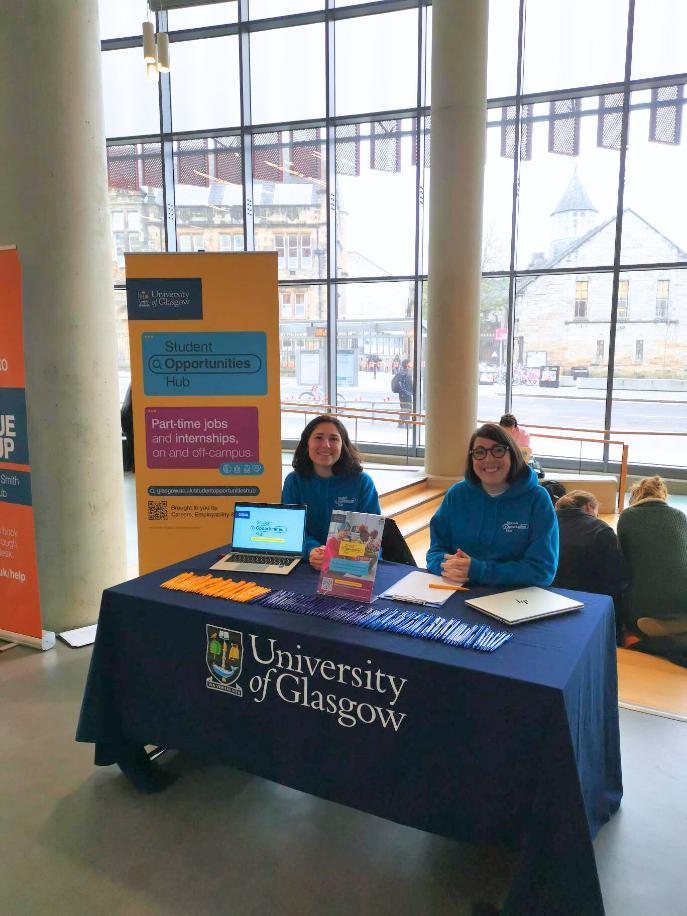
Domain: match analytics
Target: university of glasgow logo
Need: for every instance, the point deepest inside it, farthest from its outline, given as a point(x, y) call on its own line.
point(224, 659)
point(143, 298)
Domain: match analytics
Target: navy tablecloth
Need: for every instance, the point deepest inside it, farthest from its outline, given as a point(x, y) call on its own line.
point(518, 747)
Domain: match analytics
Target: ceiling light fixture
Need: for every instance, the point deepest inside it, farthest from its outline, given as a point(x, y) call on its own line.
point(155, 48)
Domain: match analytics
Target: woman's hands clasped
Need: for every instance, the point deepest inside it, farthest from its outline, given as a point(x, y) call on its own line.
point(456, 566)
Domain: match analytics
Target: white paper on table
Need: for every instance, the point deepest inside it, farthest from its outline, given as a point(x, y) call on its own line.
point(415, 589)
point(82, 636)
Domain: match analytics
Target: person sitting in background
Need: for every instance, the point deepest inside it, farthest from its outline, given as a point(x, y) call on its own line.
point(555, 489)
point(653, 539)
point(327, 475)
point(497, 526)
point(522, 439)
point(589, 559)
point(519, 434)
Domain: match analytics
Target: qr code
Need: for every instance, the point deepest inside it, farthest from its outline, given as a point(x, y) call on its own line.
point(327, 583)
point(157, 510)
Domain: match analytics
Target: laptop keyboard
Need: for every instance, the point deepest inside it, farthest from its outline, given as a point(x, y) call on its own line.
point(260, 559)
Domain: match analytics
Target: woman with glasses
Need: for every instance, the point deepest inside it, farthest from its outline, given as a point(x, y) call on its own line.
point(497, 526)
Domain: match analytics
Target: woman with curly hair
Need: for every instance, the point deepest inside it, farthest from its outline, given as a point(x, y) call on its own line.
point(653, 539)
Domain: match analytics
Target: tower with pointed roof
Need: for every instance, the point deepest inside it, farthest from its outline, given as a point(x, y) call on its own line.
point(573, 216)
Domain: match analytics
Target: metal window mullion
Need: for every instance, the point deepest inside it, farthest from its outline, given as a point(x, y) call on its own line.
point(515, 203)
point(624, 133)
point(168, 188)
point(330, 89)
point(246, 134)
point(596, 89)
point(419, 208)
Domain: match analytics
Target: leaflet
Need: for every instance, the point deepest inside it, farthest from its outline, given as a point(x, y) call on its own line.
point(351, 555)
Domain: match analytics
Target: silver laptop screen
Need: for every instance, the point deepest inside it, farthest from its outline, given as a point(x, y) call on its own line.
point(268, 529)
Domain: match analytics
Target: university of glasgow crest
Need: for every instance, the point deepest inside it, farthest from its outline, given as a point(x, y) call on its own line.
point(224, 659)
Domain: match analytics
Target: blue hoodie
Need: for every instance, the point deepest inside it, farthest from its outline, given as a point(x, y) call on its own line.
point(323, 494)
point(512, 538)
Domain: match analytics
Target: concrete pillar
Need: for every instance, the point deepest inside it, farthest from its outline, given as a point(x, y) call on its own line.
point(459, 92)
point(53, 206)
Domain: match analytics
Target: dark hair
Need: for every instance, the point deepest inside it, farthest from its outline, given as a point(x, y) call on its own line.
point(508, 419)
point(497, 434)
point(555, 489)
point(405, 363)
point(349, 463)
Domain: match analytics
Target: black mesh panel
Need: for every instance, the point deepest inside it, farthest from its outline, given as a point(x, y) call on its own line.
point(193, 166)
point(385, 146)
point(228, 164)
point(268, 157)
point(564, 127)
point(610, 123)
point(348, 149)
point(122, 168)
point(665, 123)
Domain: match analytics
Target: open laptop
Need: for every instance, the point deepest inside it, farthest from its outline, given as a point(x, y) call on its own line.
point(266, 538)
point(524, 604)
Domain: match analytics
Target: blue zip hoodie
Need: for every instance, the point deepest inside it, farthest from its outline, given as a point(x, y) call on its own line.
point(323, 494)
point(512, 539)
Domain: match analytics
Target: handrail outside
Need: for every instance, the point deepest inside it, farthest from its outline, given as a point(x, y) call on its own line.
point(607, 432)
point(317, 409)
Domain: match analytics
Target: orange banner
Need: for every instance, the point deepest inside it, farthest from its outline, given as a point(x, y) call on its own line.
point(20, 616)
point(204, 341)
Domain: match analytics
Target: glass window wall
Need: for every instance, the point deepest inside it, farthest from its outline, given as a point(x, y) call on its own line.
point(375, 339)
point(376, 176)
point(287, 74)
point(582, 320)
point(205, 84)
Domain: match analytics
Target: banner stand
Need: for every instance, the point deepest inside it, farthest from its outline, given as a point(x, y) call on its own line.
point(45, 642)
point(204, 338)
point(20, 612)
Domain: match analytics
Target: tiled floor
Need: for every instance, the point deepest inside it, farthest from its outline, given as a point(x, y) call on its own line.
point(75, 839)
point(79, 840)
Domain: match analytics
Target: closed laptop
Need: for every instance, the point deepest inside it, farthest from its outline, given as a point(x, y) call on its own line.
point(523, 604)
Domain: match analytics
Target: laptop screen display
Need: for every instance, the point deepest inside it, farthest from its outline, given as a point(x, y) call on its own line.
point(268, 529)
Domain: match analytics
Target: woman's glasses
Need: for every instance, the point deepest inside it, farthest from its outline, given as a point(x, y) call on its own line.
point(498, 451)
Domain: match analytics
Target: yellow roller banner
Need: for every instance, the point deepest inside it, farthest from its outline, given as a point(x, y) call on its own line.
point(204, 341)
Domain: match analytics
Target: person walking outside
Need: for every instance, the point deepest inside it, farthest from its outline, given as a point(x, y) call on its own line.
point(402, 384)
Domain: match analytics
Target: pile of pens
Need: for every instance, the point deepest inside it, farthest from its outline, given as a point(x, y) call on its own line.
point(449, 630)
point(337, 609)
point(216, 587)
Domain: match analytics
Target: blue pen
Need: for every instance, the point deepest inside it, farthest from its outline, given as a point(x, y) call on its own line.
point(451, 627)
point(473, 636)
point(490, 642)
point(461, 635)
point(469, 636)
point(434, 628)
point(440, 621)
point(446, 628)
point(485, 637)
point(500, 639)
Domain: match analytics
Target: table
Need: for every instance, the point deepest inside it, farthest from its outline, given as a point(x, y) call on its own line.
point(519, 747)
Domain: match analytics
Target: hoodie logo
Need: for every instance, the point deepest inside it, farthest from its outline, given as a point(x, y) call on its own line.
point(508, 527)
